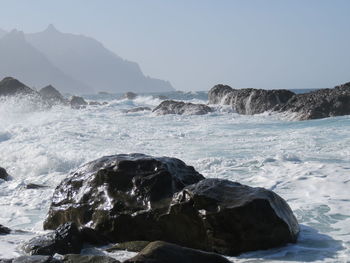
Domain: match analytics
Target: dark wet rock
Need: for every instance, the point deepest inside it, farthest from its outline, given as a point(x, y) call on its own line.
point(138, 109)
point(318, 104)
point(10, 86)
point(35, 259)
point(53, 96)
point(129, 96)
point(180, 107)
point(248, 101)
point(35, 186)
point(4, 230)
point(93, 237)
point(94, 103)
point(73, 258)
point(228, 218)
point(3, 174)
point(161, 252)
point(119, 195)
point(64, 240)
point(133, 246)
point(77, 102)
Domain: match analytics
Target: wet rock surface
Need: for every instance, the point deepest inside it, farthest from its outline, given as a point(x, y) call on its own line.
point(248, 101)
point(65, 239)
point(160, 252)
point(88, 259)
point(133, 246)
point(4, 230)
point(10, 86)
point(53, 96)
point(181, 108)
point(3, 174)
point(77, 102)
point(319, 104)
point(119, 195)
point(138, 109)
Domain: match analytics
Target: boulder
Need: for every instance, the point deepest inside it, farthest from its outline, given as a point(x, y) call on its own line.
point(318, 104)
point(138, 109)
point(120, 195)
point(180, 107)
point(77, 102)
point(35, 186)
point(73, 258)
point(52, 95)
point(3, 174)
point(129, 96)
point(248, 101)
point(64, 240)
point(10, 86)
point(229, 218)
point(4, 230)
point(161, 252)
point(132, 246)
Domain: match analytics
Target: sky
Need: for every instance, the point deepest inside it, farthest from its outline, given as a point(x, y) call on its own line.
point(270, 44)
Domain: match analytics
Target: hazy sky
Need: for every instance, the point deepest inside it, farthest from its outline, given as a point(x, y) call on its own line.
point(196, 44)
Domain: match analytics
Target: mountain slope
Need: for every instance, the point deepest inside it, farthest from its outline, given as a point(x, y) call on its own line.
point(88, 61)
point(21, 60)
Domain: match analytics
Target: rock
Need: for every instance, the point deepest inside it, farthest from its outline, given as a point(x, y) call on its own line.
point(35, 259)
point(35, 186)
point(180, 107)
point(10, 87)
point(248, 101)
point(132, 246)
point(161, 252)
point(228, 218)
point(4, 230)
point(318, 104)
point(129, 96)
point(77, 102)
point(64, 240)
point(93, 237)
point(161, 97)
point(53, 96)
point(115, 194)
point(94, 103)
point(138, 109)
point(88, 259)
point(3, 174)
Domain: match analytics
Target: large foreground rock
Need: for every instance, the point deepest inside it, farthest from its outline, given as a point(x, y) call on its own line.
point(10, 87)
point(65, 239)
point(248, 101)
point(319, 104)
point(180, 107)
point(161, 252)
point(115, 194)
point(228, 218)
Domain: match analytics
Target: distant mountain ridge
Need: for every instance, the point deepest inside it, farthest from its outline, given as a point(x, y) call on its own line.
point(72, 63)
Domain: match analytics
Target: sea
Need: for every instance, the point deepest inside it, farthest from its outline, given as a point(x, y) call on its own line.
point(305, 162)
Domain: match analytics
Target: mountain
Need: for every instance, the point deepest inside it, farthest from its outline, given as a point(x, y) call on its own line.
point(88, 61)
point(19, 59)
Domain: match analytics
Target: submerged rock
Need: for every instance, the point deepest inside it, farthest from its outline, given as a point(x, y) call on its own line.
point(64, 240)
point(137, 109)
point(52, 95)
point(228, 218)
point(3, 174)
point(248, 101)
point(77, 102)
point(119, 195)
point(180, 107)
point(129, 96)
point(318, 104)
point(10, 86)
point(73, 258)
point(161, 252)
point(4, 230)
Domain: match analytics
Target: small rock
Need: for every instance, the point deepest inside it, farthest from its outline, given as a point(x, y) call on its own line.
point(77, 102)
point(180, 107)
point(4, 230)
point(35, 186)
point(3, 174)
point(138, 109)
point(161, 252)
point(73, 258)
point(129, 96)
point(132, 246)
point(52, 95)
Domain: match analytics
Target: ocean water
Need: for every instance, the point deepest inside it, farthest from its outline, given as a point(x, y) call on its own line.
point(305, 162)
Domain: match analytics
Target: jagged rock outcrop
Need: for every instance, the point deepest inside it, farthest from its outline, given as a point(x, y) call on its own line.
point(248, 101)
point(138, 109)
point(53, 96)
point(77, 102)
point(160, 252)
point(3, 174)
point(129, 95)
point(10, 87)
point(181, 108)
point(4, 230)
point(318, 104)
point(113, 194)
point(64, 240)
